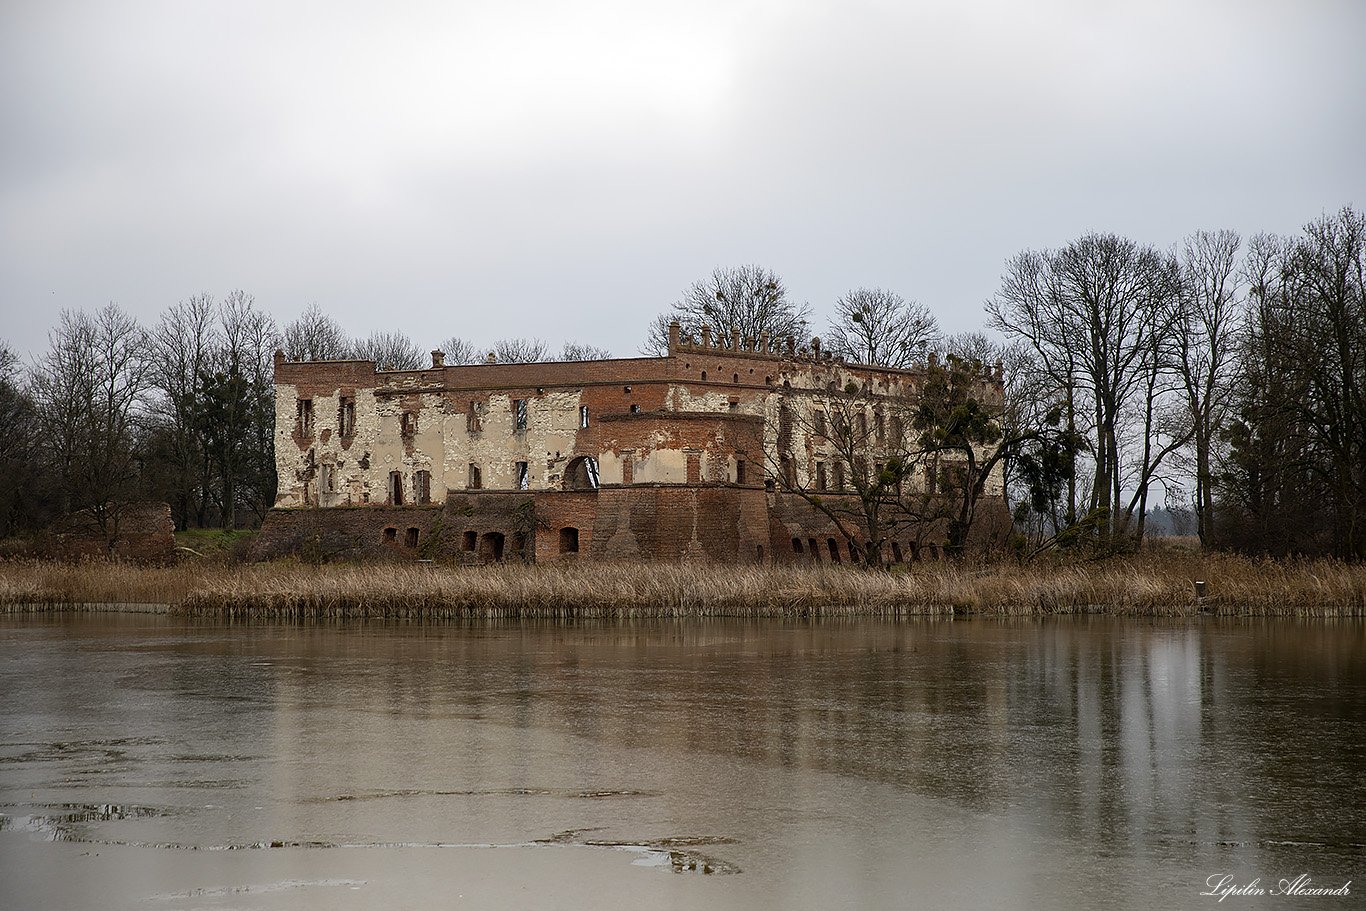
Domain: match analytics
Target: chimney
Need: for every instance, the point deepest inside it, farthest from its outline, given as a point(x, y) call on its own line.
point(438, 359)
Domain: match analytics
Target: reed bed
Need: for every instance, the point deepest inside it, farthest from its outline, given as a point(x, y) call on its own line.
point(1148, 584)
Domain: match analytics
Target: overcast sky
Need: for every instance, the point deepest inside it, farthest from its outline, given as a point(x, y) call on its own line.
point(565, 169)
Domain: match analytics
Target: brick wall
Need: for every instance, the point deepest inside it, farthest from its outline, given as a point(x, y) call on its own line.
point(145, 534)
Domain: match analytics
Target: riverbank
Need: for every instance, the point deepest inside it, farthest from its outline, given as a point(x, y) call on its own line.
point(1152, 584)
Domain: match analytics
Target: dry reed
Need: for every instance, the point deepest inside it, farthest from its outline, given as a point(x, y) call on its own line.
point(1147, 584)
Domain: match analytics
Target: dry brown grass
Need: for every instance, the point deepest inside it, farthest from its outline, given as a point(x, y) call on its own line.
point(1147, 584)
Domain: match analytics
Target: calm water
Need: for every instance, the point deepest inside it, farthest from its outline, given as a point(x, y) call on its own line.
point(1077, 763)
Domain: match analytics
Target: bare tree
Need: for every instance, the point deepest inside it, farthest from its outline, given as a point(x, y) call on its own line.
point(457, 351)
point(573, 351)
point(389, 351)
point(89, 389)
point(1303, 423)
point(18, 438)
point(1206, 326)
point(873, 326)
point(1095, 315)
point(749, 298)
point(315, 336)
point(519, 351)
point(237, 408)
point(181, 346)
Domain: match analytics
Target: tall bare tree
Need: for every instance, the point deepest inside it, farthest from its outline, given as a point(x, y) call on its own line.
point(519, 351)
point(882, 328)
point(752, 299)
point(458, 351)
point(573, 351)
point(315, 336)
point(1304, 423)
point(90, 390)
point(18, 439)
point(389, 351)
point(1207, 322)
point(182, 345)
point(1095, 314)
point(236, 410)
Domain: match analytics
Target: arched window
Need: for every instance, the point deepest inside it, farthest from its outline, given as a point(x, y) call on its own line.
point(581, 474)
point(491, 547)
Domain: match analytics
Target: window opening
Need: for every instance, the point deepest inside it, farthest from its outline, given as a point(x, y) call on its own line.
point(583, 416)
point(796, 545)
point(474, 418)
point(475, 481)
point(389, 535)
point(820, 476)
point(396, 488)
point(305, 417)
point(470, 539)
point(569, 540)
point(834, 550)
point(523, 477)
point(519, 407)
point(410, 539)
point(581, 474)
point(346, 419)
point(739, 471)
point(422, 481)
point(491, 548)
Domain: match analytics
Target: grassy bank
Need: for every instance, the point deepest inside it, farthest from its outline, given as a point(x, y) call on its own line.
point(1147, 584)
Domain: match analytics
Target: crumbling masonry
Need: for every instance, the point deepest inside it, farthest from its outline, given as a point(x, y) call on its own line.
point(664, 458)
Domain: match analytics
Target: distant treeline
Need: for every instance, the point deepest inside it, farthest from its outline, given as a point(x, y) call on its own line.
point(1225, 377)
